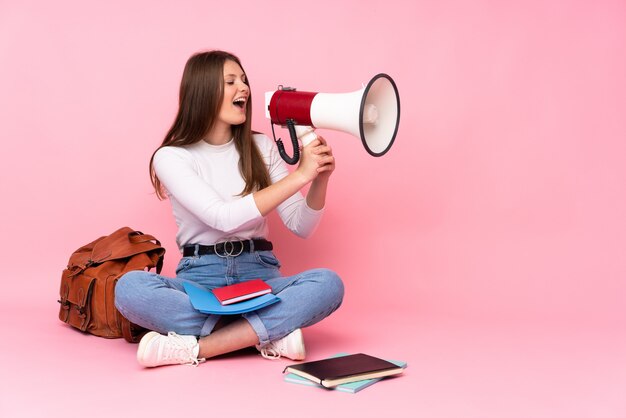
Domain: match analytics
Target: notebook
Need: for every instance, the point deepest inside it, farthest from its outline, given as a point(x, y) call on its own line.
point(352, 387)
point(239, 292)
point(205, 301)
point(335, 371)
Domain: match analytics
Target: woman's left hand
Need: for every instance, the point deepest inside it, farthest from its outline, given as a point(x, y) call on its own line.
point(326, 162)
point(316, 196)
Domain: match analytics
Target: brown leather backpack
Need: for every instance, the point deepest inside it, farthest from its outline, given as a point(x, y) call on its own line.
point(88, 283)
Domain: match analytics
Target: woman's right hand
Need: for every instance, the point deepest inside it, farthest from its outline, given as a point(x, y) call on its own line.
point(312, 157)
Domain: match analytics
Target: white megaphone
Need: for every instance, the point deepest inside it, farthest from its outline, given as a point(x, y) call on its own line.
point(371, 113)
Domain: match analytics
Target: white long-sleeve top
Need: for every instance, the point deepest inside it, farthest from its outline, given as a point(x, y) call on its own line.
point(203, 184)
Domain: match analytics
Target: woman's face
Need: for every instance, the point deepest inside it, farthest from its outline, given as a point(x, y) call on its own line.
point(236, 95)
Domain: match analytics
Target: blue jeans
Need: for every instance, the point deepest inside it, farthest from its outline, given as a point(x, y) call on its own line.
point(160, 303)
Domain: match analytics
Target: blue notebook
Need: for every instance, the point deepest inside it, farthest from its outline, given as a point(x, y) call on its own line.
point(204, 301)
point(352, 387)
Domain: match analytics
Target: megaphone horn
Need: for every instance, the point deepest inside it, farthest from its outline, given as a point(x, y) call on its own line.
point(371, 113)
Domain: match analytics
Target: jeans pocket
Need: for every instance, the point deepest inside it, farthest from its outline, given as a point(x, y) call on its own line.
point(183, 264)
point(267, 259)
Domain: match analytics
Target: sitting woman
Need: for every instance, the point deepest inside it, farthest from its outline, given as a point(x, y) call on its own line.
point(222, 181)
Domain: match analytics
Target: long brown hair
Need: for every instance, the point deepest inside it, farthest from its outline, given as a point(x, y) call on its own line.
point(200, 97)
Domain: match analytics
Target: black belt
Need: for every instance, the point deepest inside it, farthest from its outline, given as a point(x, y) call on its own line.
point(228, 248)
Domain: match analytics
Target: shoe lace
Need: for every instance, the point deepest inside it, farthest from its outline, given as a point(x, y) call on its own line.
point(181, 349)
point(270, 352)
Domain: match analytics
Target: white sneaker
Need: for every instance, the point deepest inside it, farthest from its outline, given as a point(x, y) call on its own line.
point(159, 350)
point(290, 346)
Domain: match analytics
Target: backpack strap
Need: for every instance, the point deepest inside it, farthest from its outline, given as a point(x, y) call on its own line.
point(137, 237)
point(129, 333)
point(124, 243)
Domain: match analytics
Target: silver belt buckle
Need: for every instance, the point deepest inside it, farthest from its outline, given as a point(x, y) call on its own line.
point(230, 249)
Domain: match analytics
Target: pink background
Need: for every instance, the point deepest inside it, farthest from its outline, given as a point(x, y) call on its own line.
point(487, 248)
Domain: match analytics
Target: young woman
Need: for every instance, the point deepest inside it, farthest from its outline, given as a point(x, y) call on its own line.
point(222, 181)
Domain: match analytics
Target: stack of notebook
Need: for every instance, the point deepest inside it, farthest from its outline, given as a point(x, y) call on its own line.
point(343, 372)
point(230, 300)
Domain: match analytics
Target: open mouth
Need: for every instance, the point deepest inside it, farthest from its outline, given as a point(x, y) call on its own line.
point(240, 102)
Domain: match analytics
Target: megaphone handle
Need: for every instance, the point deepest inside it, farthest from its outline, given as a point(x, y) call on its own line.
point(306, 134)
point(294, 142)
